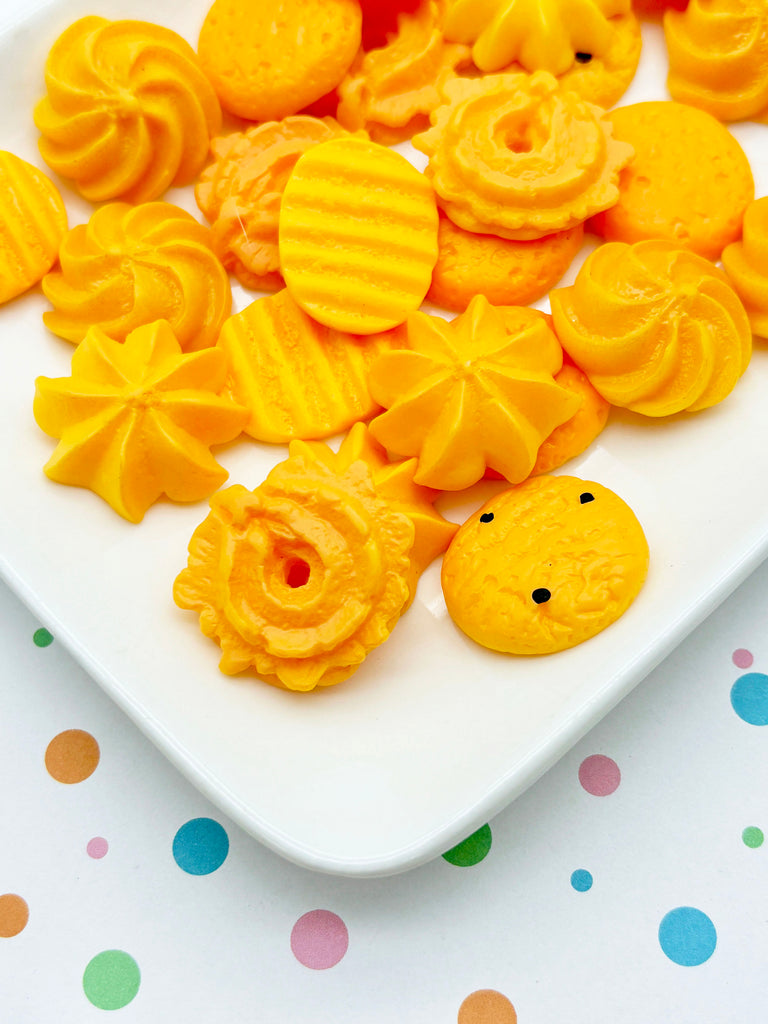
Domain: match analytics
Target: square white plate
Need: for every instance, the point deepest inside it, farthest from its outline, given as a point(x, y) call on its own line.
point(433, 735)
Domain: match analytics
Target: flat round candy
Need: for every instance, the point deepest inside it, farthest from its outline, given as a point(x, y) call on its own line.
point(544, 566)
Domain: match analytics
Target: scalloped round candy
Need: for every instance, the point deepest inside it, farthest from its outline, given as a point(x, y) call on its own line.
point(128, 112)
point(746, 264)
point(358, 235)
point(520, 157)
point(657, 329)
point(132, 265)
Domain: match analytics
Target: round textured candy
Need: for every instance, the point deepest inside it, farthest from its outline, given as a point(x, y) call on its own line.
point(746, 263)
point(506, 272)
point(129, 111)
point(271, 58)
point(718, 57)
point(544, 566)
point(33, 222)
point(657, 329)
point(358, 235)
point(132, 265)
point(689, 182)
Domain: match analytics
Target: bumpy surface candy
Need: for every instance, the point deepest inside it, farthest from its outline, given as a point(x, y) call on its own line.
point(656, 328)
point(128, 112)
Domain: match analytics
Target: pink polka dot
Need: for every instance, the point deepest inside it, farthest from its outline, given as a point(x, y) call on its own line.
point(97, 847)
point(599, 775)
point(319, 939)
point(742, 658)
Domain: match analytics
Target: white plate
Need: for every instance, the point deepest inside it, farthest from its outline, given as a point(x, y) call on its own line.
point(433, 735)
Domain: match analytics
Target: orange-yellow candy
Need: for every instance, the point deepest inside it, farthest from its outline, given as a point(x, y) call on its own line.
point(131, 265)
point(241, 191)
point(128, 113)
point(301, 578)
point(471, 393)
point(33, 222)
point(391, 91)
point(718, 57)
point(518, 156)
point(746, 264)
point(545, 566)
point(576, 434)
point(541, 35)
point(358, 235)
point(298, 378)
point(135, 420)
point(657, 329)
point(271, 58)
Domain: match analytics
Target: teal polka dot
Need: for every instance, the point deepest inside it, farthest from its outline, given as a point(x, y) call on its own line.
point(752, 837)
point(471, 850)
point(581, 880)
point(42, 638)
point(749, 698)
point(111, 979)
point(200, 846)
point(687, 936)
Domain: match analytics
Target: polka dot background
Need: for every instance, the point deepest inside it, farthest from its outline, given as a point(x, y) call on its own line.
point(589, 882)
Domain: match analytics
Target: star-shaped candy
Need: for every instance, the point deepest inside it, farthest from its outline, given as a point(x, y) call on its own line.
point(135, 420)
point(473, 393)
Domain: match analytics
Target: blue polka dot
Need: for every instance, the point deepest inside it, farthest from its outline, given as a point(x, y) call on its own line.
point(687, 936)
point(581, 880)
point(749, 698)
point(201, 846)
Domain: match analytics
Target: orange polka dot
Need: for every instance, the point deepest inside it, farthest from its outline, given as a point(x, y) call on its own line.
point(486, 1006)
point(14, 914)
point(72, 756)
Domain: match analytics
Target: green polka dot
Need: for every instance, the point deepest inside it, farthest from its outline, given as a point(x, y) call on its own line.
point(111, 979)
point(472, 850)
point(753, 837)
point(42, 637)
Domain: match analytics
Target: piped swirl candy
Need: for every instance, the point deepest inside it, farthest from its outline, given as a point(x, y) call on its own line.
point(128, 112)
point(746, 263)
point(131, 265)
point(520, 157)
point(718, 57)
point(657, 329)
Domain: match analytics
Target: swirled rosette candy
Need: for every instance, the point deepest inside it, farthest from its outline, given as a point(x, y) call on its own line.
point(131, 265)
point(136, 420)
point(718, 57)
point(241, 191)
point(391, 91)
point(519, 157)
point(657, 329)
point(128, 112)
point(301, 578)
point(746, 263)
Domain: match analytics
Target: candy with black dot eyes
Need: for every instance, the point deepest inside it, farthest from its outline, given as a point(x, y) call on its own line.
point(544, 566)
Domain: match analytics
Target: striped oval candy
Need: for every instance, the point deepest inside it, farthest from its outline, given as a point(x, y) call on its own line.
point(33, 221)
point(358, 235)
point(298, 378)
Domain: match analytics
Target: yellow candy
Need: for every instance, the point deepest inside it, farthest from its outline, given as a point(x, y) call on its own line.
point(657, 329)
point(135, 420)
point(746, 264)
point(542, 35)
point(471, 393)
point(32, 224)
point(358, 235)
point(301, 578)
point(132, 265)
point(544, 566)
point(128, 112)
point(518, 156)
point(298, 378)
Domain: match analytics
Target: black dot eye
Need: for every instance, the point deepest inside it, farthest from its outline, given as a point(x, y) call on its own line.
point(541, 595)
point(486, 517)
point(583, 58)
point(585, 497)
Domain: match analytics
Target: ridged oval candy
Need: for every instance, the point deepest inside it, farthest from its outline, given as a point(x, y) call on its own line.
point(358, 235)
